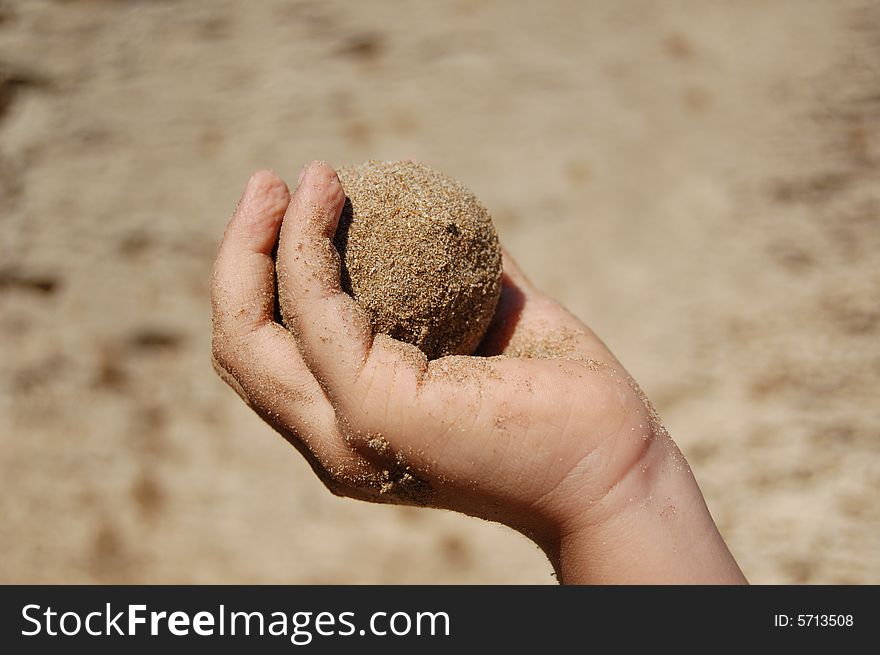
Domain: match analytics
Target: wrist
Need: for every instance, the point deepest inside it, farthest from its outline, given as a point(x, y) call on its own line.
point(651, 527)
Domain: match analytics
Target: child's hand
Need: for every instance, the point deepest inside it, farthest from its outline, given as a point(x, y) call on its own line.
point(544, 431)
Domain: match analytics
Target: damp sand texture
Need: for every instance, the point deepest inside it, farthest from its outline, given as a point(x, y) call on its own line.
point(420, 254)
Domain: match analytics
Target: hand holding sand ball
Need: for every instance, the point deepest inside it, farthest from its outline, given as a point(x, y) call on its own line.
point(542, 429)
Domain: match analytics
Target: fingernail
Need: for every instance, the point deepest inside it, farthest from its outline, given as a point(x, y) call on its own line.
point(302, 174)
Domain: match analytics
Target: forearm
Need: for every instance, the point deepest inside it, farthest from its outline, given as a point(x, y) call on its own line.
point(660, 531)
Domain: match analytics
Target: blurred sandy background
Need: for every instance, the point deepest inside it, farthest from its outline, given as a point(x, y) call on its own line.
point(697, 180)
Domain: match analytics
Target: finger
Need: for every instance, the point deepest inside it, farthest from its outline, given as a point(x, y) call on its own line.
point(514, 273)
point(253, 354)
point(529, 324)
point(242, 292)
point(515, 292)
point(522, 312)
point(332, 329)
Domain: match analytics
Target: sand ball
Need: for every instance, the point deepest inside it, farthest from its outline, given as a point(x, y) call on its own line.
point(420, 254)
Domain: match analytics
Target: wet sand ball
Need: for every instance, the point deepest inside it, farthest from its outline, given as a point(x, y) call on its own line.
point(420, 254)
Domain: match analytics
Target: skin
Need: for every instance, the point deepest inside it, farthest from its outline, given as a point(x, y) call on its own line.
point(567, 450)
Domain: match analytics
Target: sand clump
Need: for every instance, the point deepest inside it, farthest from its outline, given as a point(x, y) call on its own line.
point(420, 254)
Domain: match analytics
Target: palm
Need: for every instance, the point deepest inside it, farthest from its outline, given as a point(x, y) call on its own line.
point(542, 396)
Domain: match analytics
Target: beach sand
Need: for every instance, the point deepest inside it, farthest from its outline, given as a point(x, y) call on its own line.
point(697, 181)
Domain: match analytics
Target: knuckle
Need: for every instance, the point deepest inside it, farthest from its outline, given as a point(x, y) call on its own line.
point(232, 344)
point(230, 352)
point(220, 351)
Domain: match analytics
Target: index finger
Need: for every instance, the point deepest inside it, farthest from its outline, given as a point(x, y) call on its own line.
point(333, 331)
